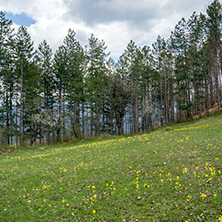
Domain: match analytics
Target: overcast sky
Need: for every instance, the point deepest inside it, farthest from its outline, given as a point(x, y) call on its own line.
point(114, 21)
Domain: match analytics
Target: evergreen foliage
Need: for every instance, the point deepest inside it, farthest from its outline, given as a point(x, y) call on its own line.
point(79, 92)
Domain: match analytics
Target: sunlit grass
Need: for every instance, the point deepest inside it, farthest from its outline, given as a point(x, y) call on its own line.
point(173, 174)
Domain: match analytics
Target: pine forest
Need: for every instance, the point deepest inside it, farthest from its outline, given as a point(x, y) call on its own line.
point(80, 91)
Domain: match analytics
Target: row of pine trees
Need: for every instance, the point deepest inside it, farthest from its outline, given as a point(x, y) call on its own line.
point(79, 91)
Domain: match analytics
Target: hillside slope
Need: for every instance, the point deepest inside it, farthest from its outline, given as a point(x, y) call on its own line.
point(173, 174)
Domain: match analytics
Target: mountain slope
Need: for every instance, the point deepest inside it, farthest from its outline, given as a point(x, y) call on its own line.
point(173, 174)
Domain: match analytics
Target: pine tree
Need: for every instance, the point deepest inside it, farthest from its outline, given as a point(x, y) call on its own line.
point(47, 82)
point(74, 79)
point(7, 78)
point(32, 100)
point(60, 64)
point(214, 20)
point(148, 76)
point(179, 44)
point(132, 61)
point(24, 53)
point(160, 54)
point(96, 80)
point(196, 61)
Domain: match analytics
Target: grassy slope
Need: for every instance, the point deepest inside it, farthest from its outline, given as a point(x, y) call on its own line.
point(174, 174)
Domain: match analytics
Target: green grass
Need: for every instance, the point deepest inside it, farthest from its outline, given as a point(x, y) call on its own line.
point(173, 174)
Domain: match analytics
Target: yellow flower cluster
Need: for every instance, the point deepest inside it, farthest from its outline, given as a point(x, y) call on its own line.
point(203, 196)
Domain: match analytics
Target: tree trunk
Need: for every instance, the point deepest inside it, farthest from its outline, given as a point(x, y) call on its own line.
point(75, 119)
point(211, 89)
point(72, 130)
point(189, 102)
point(11, 117)
point(97, 123)
point(217, 86)
point(16, 122)
point(21, 127)
point(58, 137)
point(91, 120)
point(48, 111)
point(103, 119)
point(40, 133)
point(136, 125)
point(7, 118)
point(83, 120)
point(172, 114)
point(143, 113)
point(63, 117)
point(207, 96)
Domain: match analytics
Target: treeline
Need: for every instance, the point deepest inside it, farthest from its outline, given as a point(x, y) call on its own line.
point(78, 92)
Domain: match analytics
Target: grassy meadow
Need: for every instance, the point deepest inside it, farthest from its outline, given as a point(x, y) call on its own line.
point(172, 174)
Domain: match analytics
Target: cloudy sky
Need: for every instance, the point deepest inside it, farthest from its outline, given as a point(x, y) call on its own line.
point(114, 21)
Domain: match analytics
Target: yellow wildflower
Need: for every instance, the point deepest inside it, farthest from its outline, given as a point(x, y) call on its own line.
point(203, 196)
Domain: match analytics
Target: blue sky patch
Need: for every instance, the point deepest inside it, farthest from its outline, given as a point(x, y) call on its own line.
point(20, 19)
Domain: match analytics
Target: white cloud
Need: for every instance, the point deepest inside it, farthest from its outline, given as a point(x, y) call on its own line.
point(114, 21)
point(37, 9)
